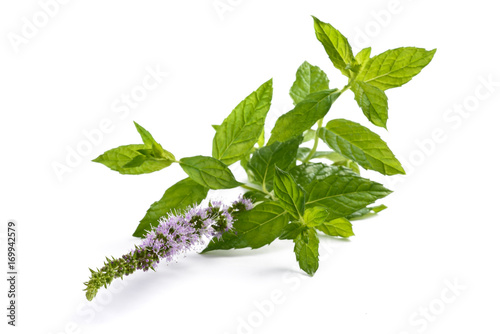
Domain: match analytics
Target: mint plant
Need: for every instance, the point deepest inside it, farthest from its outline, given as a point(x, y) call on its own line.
point(291, 192)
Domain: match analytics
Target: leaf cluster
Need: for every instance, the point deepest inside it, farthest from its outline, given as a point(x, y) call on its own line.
point(299, 191)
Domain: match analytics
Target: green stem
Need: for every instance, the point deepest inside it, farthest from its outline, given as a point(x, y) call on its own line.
point(346, 87)
point(264, 189)
point(248, 187)
point(320, 124)
point(316, 141)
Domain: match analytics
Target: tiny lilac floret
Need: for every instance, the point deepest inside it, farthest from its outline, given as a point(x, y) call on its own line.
point(174, 235)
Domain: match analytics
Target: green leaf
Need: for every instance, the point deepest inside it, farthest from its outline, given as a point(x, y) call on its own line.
point(292, 230)
point(241, 130)
point(309, 79)
point(278, 154)
point(155, 151)
point(147, 138)
point(336, 46)
point(160, 153)
point(303, 116)
point(361, 145)
point(363, 56)
point(117, 158)
point(137, 159)
point(136, 162)
point(303, 152)
point(337, 158)
point(366, 212)
point(254, 228)
point(244, 163)
point(396, 67)
point(209, 172)
point(228, 240)
point(176, 198)
point(309, 135)
point(349, 164)
point(378, 208)
point(330, 155)
point(148, 152)
point(339, 227)
point(215, 127)
point(344, 195)
point(373, 102)
point(306, 174)
point(289, 193)
point(307, 250)
point(315, 216)
point(262, 139)
point(336, 188)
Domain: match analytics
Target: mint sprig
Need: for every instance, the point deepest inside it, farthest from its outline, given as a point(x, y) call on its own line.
point(299, 189)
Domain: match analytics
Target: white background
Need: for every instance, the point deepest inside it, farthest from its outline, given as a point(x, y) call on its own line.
point(440, 228)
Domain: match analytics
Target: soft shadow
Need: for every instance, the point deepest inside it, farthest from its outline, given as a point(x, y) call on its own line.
point(138, 289)
point(273, 271)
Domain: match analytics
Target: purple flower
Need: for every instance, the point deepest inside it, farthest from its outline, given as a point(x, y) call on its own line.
point(175, 234)
point(245, 201)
